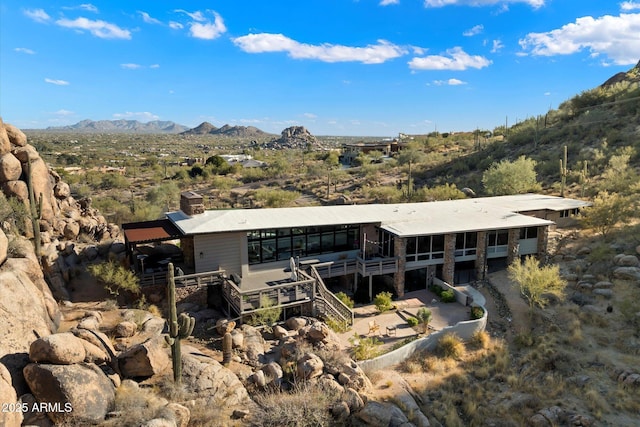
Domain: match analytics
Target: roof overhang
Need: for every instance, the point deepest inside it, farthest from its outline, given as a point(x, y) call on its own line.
point(150, 231)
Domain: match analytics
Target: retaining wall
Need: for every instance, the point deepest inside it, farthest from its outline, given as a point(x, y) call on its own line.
point(464, 330)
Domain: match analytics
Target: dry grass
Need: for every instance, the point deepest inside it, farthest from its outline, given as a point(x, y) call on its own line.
point(135, 405)
point(450, 347)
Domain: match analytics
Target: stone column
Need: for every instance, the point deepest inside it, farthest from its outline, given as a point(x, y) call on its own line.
point(513, 250)
point(543, 237)
point(449, 266)
point(400, 251)
point(431, 273)
point(481, 256)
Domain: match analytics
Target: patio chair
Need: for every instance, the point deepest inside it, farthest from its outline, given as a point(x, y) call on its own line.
point(373, 327)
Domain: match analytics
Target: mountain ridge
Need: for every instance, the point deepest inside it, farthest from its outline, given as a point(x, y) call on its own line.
point(121, 126)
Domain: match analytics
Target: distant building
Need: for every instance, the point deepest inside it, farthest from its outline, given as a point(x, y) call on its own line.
point(351, 150)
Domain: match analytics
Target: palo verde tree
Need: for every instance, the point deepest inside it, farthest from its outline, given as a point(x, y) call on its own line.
point(536, 281)
point(607, 211)
point(507, 177)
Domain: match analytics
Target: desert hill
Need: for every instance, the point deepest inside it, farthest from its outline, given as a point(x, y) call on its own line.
point(206, 128)
point(120, 126)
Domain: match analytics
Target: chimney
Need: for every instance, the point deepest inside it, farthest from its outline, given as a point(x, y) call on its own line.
point(191, 203)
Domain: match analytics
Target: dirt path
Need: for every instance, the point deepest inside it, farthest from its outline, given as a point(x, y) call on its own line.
point(520, 320)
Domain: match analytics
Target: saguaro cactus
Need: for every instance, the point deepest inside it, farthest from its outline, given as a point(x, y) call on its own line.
point(179, 327)
point(563, 172)
point(226, 348)
point(36, 211)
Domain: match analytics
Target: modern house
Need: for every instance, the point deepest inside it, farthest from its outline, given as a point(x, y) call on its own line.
point(409, 244)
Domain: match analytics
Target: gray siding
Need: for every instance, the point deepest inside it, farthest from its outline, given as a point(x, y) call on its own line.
point(219, 251)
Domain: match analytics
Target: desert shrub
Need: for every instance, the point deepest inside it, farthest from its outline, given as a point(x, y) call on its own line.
point(424, 316)
point(535, 281)
point(448, 296)
point(507, 177)
point(268, 313)
point(412, 321)
point(382, 301)
point(337, 325)
point(476, 312)
point(364, 347)
point(14, 212)
point(346, 300)
point(306, 405)
point(115, 278)
point(450, 347)
point(276, 198)
point(480, 339)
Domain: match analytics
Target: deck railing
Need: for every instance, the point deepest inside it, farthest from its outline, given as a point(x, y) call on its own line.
point(336, 268)
point(377, 266)
point(198, 279)
point(327, 303)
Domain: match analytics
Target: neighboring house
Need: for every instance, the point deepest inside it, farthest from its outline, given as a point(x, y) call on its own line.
point(245, 160)
point(457, 241)
point(351, 150)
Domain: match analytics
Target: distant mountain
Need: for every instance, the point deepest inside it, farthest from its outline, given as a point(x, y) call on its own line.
point(206, 128)
point(121, 126)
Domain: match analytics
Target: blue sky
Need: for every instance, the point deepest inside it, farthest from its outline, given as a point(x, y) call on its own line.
point(338, 67)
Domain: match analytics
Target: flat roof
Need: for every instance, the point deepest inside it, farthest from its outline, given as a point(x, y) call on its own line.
point(402, 219)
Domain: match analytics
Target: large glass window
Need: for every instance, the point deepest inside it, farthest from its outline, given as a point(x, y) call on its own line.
point(528, 233)
point(282, 243)
point(386, 243)
point(424, 248)
point(466, 243)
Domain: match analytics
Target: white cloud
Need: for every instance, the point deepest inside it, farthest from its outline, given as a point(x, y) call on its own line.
point(143, 115)
point(38, 15)
point(547, 94)
point(629, 5)
point(24, 50)
point(196, 16)
point(617, 37)
point(148, 19)
point(101, 29)
point(64, 113)
point(497, 46)
point(441, 3)
point(85, 6)
point(389, 2)
point(456, 59)
point(57, 82)
point(154, 66)
point(450, 82)
point(310, 116)
point(370, 54)
point(476, 29)
point(208, 30)
point(175, 25)
point(130, 66)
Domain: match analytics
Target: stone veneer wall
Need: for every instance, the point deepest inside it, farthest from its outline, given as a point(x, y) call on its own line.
point(449, 266)
point(543, 240)
point(400, 251)
point(513, 250)
point(481, 255)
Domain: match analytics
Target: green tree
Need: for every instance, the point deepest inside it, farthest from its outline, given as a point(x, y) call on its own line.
point(115, 278)
point(607, 211)
point(507, 177)
point(382, 301)
point(536, 281)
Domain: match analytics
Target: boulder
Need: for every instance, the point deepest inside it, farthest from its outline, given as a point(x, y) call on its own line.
point(34, 417)
point(15, 135)
point(125, 329)
point(318, 331)
point(96, 338)
point(89, 322)
point(353, 399)
point(61, 349)
point(71, 230)
point(10, 168)
point(273, 372)
point(627, 273)
point(4, 246)
point(17, 189)
point(628, 261)
point(296, 323)
point(237, 338)
point(208, 380)
point(42, 185)
point(253, 345)
point(309, 366)
point(61, 190)
point(5, 144)
point(377, 414)
point(145, 359)
point(606, 293)
point(83, 392)
point(8, 396)
point(181, 413)
point(340, 411)
point(279, 332)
